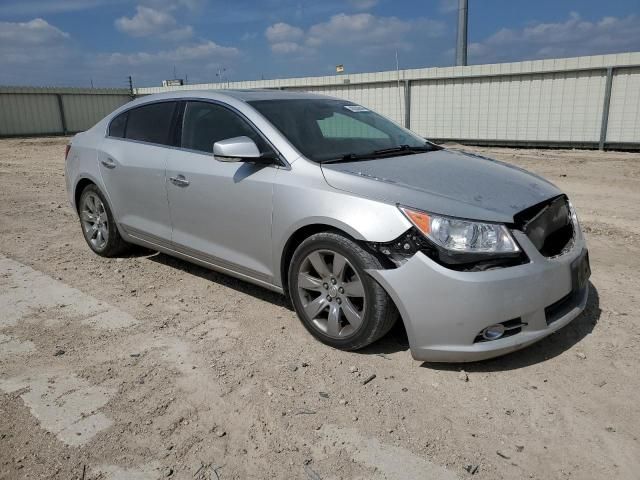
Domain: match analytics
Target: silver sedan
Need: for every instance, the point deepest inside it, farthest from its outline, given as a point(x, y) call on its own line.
point(354, 218)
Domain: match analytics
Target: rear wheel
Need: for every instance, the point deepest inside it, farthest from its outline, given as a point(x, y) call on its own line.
point(336, 300)
point(98, 226)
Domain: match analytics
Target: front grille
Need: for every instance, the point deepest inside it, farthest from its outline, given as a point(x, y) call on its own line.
point(548, 225)
point(559, 309)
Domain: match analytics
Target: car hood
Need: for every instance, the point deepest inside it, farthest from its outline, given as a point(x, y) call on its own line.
point(445, 182)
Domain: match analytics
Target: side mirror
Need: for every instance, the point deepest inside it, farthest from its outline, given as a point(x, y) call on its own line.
point(239, 149)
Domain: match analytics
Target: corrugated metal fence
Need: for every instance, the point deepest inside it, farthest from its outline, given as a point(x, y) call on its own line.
point(585, 101)
point(55, 111)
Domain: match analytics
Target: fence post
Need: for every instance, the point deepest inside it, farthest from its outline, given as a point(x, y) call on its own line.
point(63, 119)
point(605, 108)
point(407, 103)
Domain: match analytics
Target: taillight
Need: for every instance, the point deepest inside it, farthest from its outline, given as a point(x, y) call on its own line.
point(66, 150)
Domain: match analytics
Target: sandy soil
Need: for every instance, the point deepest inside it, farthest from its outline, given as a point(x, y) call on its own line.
point(148, 367)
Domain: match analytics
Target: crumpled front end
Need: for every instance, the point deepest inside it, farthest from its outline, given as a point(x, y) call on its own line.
point(447, 312)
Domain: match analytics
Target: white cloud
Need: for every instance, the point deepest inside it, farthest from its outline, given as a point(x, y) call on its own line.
point(151, 22)
point(35, 40)
point(246, 36)
point(364, 33)
point(574, 37)
point(287, 48)
point(363, 4)
point(34, 52)
point(202, 52)
point(175, 4)
point(285, 38)
point(37, 53)
point(199, 61)
point(371, 31)
point(41, 7)
point(283, 32)
point(33, 33)
point(178, 34)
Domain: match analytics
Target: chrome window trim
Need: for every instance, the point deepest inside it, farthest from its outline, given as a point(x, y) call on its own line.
point(282, 162)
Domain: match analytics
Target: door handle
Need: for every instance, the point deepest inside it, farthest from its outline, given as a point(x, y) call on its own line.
point(108, 162)
point(180, 181)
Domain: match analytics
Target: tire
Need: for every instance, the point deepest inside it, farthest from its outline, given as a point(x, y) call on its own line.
point(351, 312)
point(97, 222)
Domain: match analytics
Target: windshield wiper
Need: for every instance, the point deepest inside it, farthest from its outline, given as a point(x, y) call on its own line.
point(404, 148)
point(382, 153)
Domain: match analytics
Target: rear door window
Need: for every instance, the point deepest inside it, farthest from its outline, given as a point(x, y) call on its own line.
point(151, 123)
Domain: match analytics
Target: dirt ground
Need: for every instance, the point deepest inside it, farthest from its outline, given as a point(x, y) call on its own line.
point(148, 367)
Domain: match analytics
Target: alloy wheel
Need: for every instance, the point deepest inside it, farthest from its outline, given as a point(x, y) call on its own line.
point(95, 222)
point(331, 293)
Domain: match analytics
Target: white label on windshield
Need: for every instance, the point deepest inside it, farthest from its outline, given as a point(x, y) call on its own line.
point(355, 108)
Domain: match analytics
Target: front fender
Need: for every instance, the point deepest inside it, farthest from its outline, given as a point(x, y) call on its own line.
point(305, 199)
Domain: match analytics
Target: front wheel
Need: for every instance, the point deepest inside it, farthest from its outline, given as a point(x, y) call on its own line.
point(336, 300)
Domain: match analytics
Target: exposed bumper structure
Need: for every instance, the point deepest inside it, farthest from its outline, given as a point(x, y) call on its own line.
point(445, 310)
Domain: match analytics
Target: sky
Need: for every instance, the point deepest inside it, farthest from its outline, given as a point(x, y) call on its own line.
point(102, 42)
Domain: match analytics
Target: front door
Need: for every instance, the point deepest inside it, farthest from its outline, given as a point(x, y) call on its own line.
point(221, 212)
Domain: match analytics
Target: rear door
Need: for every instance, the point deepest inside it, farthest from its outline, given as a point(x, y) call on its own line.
point(133, 164)
point(221, 212)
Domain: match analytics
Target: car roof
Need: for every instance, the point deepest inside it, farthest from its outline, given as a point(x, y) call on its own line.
point(245, 95)
point(266, 94)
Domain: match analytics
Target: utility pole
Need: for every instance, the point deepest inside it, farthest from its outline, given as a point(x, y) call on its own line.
point(220, 74)
point(463, 20)
point(131, 88)
point(398, 78)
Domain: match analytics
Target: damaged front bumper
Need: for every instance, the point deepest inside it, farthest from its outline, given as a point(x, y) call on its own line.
point(444, 311)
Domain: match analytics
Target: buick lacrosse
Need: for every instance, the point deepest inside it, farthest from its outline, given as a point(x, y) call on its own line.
point(357, 220)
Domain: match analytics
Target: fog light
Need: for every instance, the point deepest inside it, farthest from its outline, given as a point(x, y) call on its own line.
point(493, 332)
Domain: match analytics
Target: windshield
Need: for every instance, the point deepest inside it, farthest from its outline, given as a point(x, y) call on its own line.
point(326, 129)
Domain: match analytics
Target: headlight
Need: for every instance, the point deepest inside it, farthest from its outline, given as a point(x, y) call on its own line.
point(463, 236)
point(574, 216)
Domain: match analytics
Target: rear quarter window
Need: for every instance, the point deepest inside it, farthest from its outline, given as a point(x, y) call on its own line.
point(151, 123)
point(117, 126)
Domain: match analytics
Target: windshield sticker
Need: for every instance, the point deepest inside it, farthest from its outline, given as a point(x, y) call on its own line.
point(356, 108)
